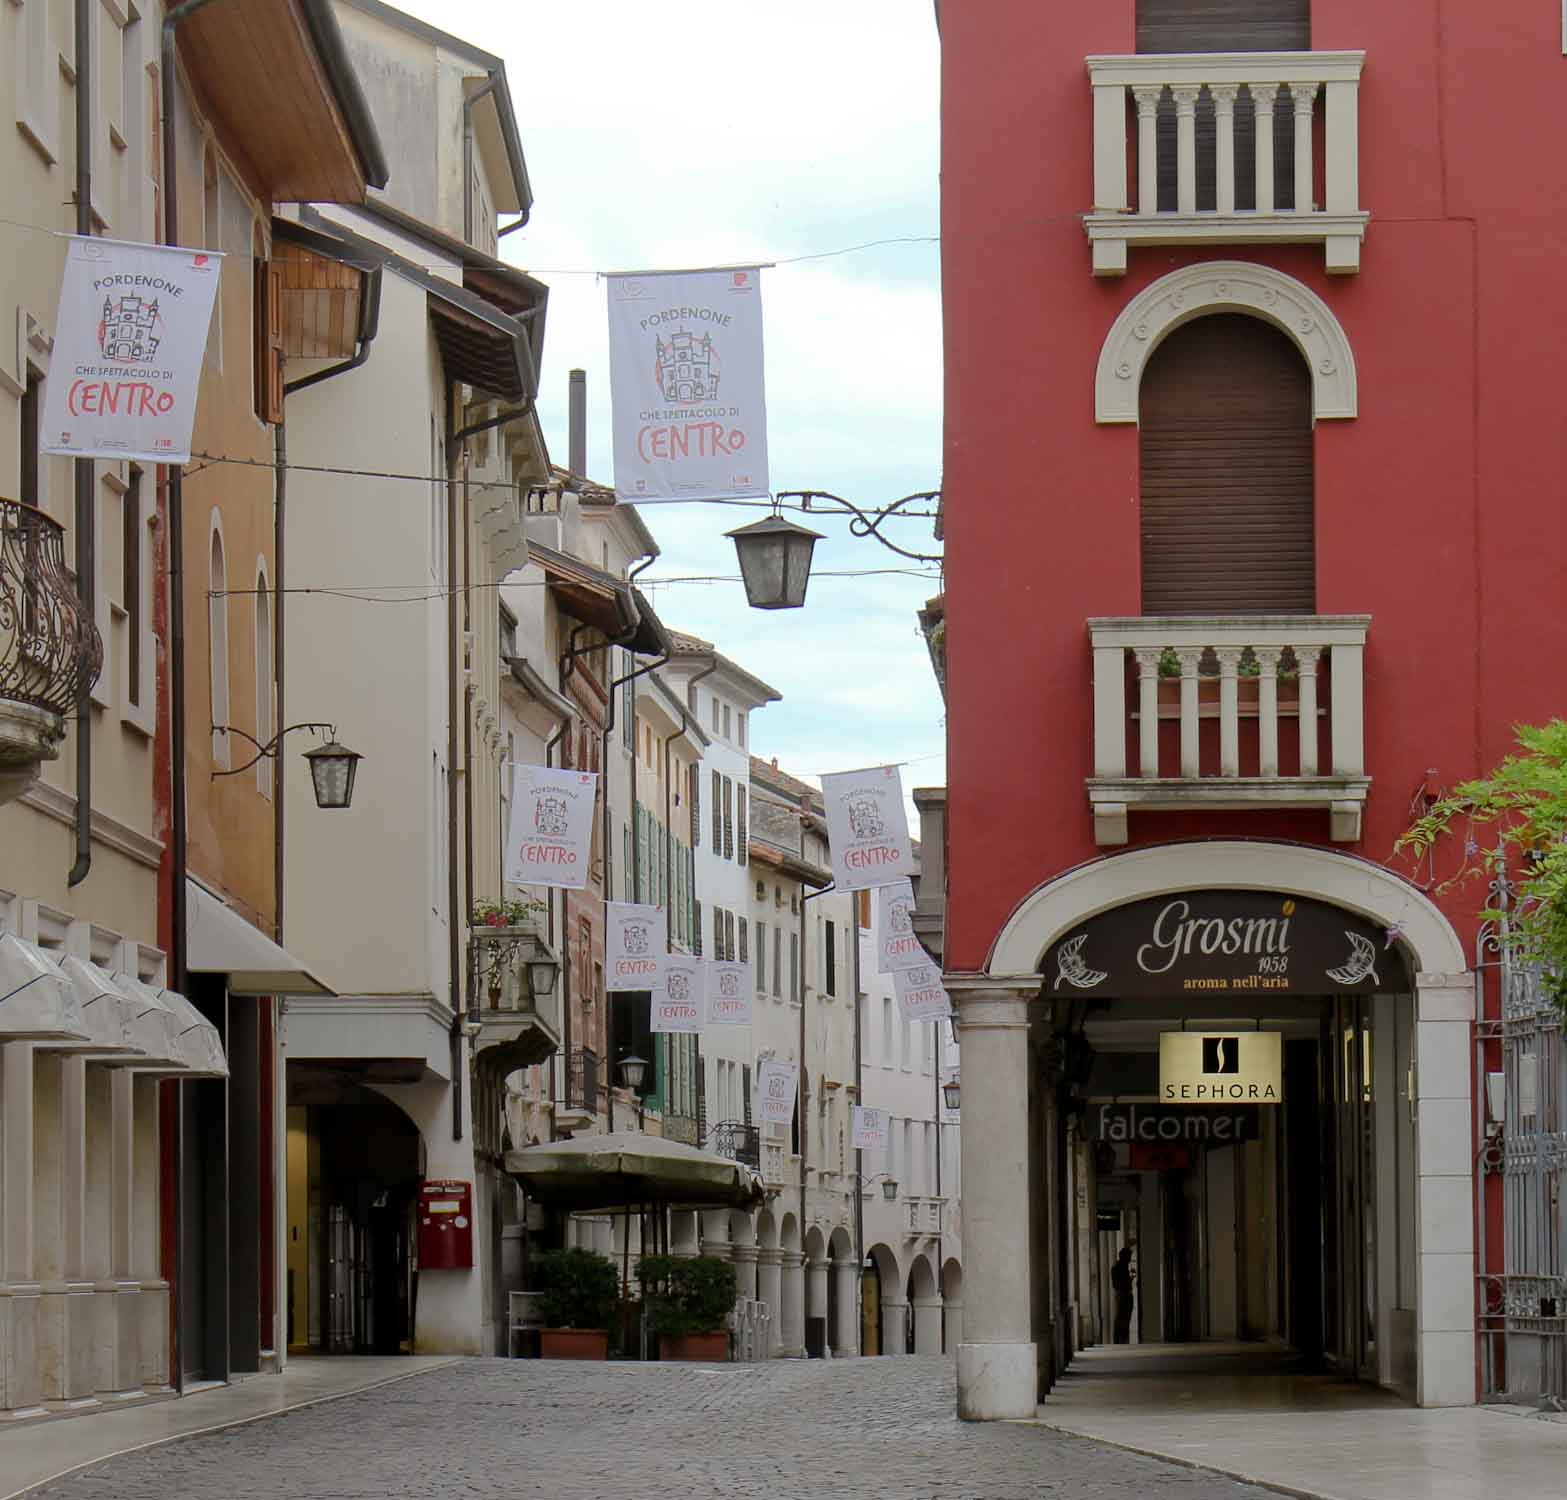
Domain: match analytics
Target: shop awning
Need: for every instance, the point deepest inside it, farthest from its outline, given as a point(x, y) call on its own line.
point(37, 1003)
point(152, 1025)
point(597, 1173)
point(110, 1014)
point(196, 1040)
point(220, 941)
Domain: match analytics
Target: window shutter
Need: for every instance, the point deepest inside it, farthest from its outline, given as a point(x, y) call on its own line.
point(696, 809)
point(1227, 472)
point(745, 941)
point(718, 934)
point(778, 963)
point(794, 966)
point(701, 1096)
point(267, 333)
point(830, 960)
point(729, 936)
point(696, 928)
point(742, 837)
point(729, 821)
point(761, 958)
point(718, 816)
point(745, 1089)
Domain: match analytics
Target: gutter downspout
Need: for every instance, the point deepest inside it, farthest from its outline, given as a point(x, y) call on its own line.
point(84, 471)
point(454, 953)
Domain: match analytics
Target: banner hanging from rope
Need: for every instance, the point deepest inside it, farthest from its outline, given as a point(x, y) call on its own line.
point(130, 339)
point(635, 947)
point(551, 831)
point(686, 386)
point(867, 828)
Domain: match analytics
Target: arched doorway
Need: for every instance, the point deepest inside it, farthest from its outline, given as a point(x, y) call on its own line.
point(843, 1308)
point(354, 1164)
point(1348, 1026)
point(952, 1305)
point(818, 1294)
point(791, 1331)
point(882, 1330)
point(924, 1308)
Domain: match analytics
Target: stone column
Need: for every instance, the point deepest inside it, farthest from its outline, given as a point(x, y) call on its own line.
point(894, 1324)
point(927, 1325)
point(683, 1232)
point(146, 1268)
point(846, 1338)
point(790, 1342)
point(744, 1257)
point(769, 1289)
point(816, 1295)
point(1444, 1168)
point(997, 1376)
point(20, 1385)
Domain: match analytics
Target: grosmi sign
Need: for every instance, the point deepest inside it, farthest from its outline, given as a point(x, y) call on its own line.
point(1230, 942)
point(1231, 1067)
point(1207, 1125)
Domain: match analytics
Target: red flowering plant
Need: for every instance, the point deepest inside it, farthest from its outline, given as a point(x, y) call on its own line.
point(505, 913)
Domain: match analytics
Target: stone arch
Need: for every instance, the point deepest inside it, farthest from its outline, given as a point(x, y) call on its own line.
point(1225, 286)
point(952, 1280)
point(766, 1230)
point(840, 1246)
point(789, 1233)
point(1359, 885)
point(922, 1277)
point(815, 1244)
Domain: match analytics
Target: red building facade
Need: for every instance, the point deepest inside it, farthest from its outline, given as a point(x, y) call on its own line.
point(1298, 465)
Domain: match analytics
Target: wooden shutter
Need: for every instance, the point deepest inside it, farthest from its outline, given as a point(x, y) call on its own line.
point(729, 821)
point(701, 1096)
point(742, 834)
point(1227, 477)
point(696, 808)
point(696, 928)
point(268, 336)
point(1176, 26)
point(718, 814)
point(745, 1089)
point(745, 941)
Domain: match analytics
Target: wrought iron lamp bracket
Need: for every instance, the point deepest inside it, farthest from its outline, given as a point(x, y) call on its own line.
point(269, 750)
point(863, 522)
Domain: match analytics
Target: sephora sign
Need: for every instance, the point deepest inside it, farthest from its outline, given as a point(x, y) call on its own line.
point(1225, 942)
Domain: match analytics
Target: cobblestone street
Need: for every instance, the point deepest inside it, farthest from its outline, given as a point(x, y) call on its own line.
point(804, 1430)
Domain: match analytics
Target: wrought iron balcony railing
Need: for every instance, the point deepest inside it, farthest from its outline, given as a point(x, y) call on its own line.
point(738, 1141)
point(579, 1083)
point(49, 646)
point(682, 1128)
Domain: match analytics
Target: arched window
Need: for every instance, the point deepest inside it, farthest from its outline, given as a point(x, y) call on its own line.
point(1227, 479)
point(266, 686)
point(218, 643)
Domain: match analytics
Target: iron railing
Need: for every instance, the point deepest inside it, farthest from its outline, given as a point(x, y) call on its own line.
point(1523, 1306)
point(738, 1141)
point(579, 1083)
point(682, 1128)
point(49, 646)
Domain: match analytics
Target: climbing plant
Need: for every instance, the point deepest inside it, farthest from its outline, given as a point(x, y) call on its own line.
point(1525, 799)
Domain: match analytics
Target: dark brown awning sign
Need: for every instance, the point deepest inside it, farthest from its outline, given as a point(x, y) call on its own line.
point(1236, 943)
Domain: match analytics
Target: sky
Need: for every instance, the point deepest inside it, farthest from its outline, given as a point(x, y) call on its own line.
point(716, 132)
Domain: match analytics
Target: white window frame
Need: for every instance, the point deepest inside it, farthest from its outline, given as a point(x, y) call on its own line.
point(37, 66)
point(218, 676)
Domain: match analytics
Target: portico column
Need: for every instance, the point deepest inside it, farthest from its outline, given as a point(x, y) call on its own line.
point(816, 1293)
point(791, 1332)
point(846, 1337)
point(997, 1376)
point(894, 1324)
point(683, 1233)
point(927, 1325)
point(20, 1302)
point(769, 1289)
point(744, 1257)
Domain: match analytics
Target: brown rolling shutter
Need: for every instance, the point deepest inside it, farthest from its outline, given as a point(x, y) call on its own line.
point(1227, 478)
point(1174, 26)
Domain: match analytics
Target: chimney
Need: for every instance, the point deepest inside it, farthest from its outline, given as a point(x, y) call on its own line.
point(775, 763)
point(577, 424)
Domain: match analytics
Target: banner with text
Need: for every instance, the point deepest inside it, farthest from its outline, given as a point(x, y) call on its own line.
point(870, 1129)
point(896, 946)
point(680, 1006)
point(551, 833)
point(129, 341)
point(686, 389)
point(635, 944)
point(775, 1085)
point(867, 828)
point(729, 993)
point(921, 996)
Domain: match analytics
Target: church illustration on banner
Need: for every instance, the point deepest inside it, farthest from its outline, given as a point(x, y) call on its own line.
point(688, 368)
point(127, 333)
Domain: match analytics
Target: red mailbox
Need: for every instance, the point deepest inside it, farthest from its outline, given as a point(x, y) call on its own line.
point(445, 1225)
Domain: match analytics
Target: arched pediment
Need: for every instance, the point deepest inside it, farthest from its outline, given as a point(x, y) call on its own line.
point(1225, 286)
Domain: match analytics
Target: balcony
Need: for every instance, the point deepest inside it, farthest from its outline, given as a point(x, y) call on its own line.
point(737, 1141)
point(1213, 700)
point(1221, 195)
point(922, 1216)
point(49, 647)
point(513, 995)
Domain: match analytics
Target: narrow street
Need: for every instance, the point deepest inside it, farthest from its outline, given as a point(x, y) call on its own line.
point(802, 1429)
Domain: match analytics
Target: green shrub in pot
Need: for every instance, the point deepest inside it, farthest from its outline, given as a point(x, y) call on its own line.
point(577, 1288)
point(686, 1294)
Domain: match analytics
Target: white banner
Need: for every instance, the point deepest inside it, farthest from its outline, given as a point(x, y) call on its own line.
point(775, 1085)
point(129, 340)
point(867, 828)
point(635, 944)
point(729, 994)
point(680, 1006)
point(921, 996)
point(685, 375)
point(870, 1129)
point(896, 946)
point(551, 834)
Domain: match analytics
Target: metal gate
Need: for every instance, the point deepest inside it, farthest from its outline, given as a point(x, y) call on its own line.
point(1523, 1064)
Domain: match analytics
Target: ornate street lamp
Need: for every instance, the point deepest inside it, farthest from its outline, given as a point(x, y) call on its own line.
point(632, 1071)
point(332, 769)
point(889, 1189)
point(952, 1091)
point(541, 975)
point(775, 562)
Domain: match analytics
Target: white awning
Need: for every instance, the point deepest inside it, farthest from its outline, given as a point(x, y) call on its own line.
point(37, 1002)
point(152, 1025)
point(220, 941)
point(196, 1039)
point(110, 1013)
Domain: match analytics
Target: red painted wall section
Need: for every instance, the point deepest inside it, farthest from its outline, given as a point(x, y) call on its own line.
point(1440, 508)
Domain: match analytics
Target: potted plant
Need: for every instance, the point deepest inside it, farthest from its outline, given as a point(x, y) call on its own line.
point(577, 1292)
point(687, 1299)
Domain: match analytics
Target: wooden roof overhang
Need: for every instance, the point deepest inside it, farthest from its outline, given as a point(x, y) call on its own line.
point(275, 79)
point(609, 604)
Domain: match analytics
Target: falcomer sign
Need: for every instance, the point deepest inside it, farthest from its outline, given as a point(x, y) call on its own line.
point(551, 830)
point(1226, 942)
point(129, 343)
point(686, 386)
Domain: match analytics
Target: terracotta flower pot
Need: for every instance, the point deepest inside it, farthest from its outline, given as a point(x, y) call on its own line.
point(573, 1343)
point(702, 1348)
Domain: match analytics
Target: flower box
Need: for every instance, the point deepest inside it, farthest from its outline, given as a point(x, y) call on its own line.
point(573, 1343)
point(696, 1348)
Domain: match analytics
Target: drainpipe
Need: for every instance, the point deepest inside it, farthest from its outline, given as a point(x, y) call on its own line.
point(469, 100)
point(84, 471)
point(454, 939)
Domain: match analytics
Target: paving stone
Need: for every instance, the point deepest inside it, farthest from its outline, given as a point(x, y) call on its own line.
point(789, 1430)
